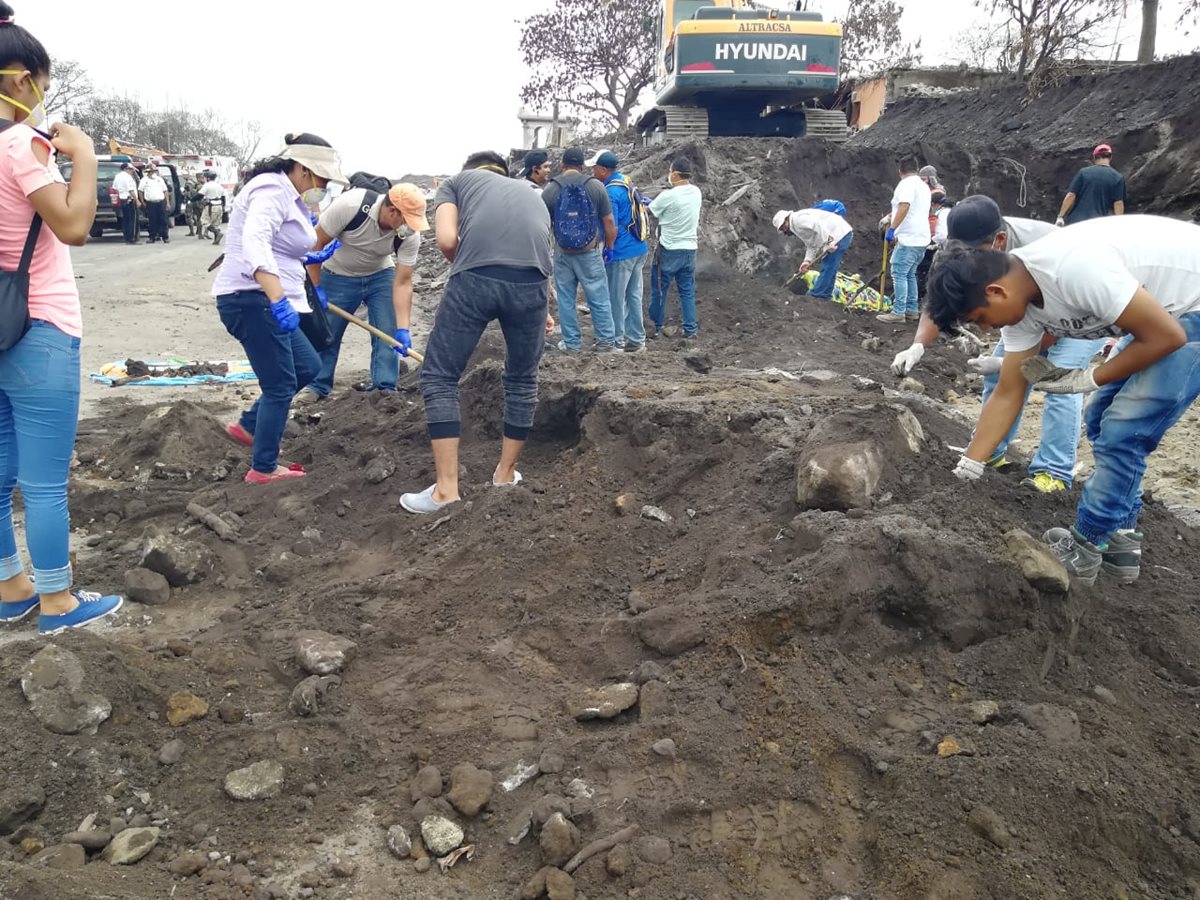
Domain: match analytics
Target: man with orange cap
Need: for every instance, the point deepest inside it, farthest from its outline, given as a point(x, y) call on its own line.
point(380, 236)
point(1096, 190)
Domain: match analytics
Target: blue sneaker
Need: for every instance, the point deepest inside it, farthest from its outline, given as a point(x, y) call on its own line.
point(15, 612)
point(92, 607)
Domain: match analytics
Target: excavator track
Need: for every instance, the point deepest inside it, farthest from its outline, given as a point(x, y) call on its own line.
point(686, 123)
point(829, 124)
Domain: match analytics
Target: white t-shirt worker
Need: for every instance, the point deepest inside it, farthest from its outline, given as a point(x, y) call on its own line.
point(914, 230)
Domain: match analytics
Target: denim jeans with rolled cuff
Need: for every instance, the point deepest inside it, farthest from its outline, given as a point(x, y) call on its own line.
point(587, 270)
point(349, 293)
point(678, 266)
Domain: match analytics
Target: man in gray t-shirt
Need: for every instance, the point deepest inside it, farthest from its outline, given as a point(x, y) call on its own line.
point(378, 237)
point(581, 266)
point(493, 229)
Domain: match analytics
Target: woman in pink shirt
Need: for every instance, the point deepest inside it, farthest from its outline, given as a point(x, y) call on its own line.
point(39, 374)
point(260, 289)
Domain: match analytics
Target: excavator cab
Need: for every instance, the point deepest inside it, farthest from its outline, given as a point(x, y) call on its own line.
point(728, 68)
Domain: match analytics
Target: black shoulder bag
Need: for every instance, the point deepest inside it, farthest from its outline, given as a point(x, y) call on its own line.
point(315, 324)
point(14, 292)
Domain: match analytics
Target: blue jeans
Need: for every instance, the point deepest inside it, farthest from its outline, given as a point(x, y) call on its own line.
point(587, 269)
point(1125, 421)
point(905, 261)
point(349, 293)
point(1062, 415)
point(470, 302)
point(829, 269)
point(39, 409)
point(678, 266)
point(625, 294)
point(284, 363)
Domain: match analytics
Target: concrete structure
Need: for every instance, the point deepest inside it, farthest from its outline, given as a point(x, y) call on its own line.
point(539, 132)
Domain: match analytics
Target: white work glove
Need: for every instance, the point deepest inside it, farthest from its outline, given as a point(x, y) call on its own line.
point(1060, 222)
point(906, 360)
point(968, 469)
point(986, 365)
point(1046, 376)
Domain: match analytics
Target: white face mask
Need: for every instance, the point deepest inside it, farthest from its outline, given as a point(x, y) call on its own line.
point(36, 117)
point(314, 196)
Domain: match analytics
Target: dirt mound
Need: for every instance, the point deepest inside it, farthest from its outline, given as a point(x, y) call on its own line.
point(810, 715)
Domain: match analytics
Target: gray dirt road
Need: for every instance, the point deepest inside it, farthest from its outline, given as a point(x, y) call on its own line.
point(153, 301)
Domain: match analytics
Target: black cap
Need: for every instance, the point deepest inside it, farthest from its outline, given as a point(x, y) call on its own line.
point(974, 220)
point(682, 165)
point(533, 159)
point(573, 157)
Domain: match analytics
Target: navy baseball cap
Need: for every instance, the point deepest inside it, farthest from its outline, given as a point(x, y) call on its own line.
point(605, 159)
point(573, 157)
point(974, 220)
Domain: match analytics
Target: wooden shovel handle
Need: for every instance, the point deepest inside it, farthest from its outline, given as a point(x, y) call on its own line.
point(382, 335)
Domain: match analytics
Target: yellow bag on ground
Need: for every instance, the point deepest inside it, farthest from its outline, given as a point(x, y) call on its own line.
point(851, 292)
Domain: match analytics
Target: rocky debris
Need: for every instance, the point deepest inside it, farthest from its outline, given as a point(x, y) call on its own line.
point(839, 476)
point(954, 747)
point(637, 603)
point(171, 752)
point(985, 822)
point(61, 856)
point(654, 701)
point(535, 887)
point(187, 863)
point(321, 653)
point(670, 630)
point(130, 845)
point(308, 695)
point(398, 842)
point(440, 835)
point(623, 503)
point(1037, 562)
point(19, 802)
point(664, 747)
point(559, 885)
point(470, 789)
point(1100, 692)
point(341, 867)
point(559, 840)
point(91, 839)
point(380, 468)
point(547, 806)
point(422, 864)
point(871, 343)
point(53, 683)
point(619, 861)
point(983, 711)
point(146, 586)
point(180, 562)
point(1056, 724)
point(426, 783)
point(603, 703)
point(551, 762)
point(699, 362)
point(230, 713)
point(522, 773)
point(657, 513)
point(519, 826)
point(184, 707)
point(656, 850)
point(911, 385)
point(259, 781)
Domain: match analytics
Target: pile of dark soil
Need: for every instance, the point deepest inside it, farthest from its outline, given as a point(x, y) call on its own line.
point(813, 714)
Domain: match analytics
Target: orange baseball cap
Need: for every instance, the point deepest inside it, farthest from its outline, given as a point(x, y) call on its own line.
point(410, 200)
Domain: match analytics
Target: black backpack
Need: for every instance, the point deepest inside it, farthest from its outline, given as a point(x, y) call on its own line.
point(376, 183)
point(364, 211)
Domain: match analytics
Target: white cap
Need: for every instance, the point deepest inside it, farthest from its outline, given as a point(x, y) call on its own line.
point(594, 159)
point(780, 218)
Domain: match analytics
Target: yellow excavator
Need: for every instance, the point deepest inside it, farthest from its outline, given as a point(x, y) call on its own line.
point(731, 68)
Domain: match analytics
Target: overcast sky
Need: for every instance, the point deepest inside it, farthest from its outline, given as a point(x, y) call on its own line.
point(396, 87)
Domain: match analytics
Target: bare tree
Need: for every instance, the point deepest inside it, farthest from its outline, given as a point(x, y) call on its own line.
point(1149, 31)
point(70, 86)
point(871, 38)
point(1044, 32)
point(597, 59)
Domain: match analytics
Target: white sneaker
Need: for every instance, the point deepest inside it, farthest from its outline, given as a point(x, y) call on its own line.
point(516, 480)
point(423, 503)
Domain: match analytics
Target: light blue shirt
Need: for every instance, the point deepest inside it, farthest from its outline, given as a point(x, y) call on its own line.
point(678, 214)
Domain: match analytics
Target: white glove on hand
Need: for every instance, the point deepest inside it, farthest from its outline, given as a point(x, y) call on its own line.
point(986, 365)
point(968, 469)
point(1046, 376)
point(906, 360)
point(1060, 222)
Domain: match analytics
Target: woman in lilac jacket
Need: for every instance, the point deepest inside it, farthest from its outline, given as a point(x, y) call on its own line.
point(260, 289)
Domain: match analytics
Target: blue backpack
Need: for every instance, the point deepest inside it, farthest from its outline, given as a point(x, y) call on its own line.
point(833, 206)
point(575, 222)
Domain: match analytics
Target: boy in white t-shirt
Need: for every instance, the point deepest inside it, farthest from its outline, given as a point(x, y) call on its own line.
point(909, 228)
point(1136, 276)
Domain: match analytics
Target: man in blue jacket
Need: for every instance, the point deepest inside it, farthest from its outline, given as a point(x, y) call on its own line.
point(627, 261)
